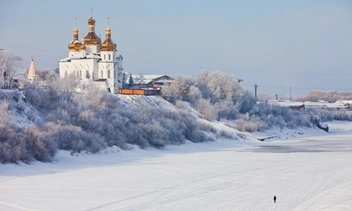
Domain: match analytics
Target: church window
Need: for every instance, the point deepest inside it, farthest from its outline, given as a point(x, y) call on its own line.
point(101, 74)
point(108, 73)
point(109, 57)
point(104, 57)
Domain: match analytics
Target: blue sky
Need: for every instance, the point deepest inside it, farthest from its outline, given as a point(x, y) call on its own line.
point(273, 43)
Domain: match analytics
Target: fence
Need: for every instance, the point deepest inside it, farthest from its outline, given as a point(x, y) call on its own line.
point(139, 92)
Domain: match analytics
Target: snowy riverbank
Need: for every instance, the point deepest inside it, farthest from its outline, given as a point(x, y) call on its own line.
point(306, 170)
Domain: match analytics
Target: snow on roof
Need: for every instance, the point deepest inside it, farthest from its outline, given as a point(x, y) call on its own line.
point(146, 79)
point(286, 103)
point(65, 60)
point(88, 56)
point(153, 76)
point(324, 104)
point(93, 56)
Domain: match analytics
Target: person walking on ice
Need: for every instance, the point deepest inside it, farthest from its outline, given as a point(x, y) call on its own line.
point(274, 199)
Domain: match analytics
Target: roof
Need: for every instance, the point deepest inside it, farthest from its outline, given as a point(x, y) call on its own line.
point(31, 71)
point(92, 38)
point(88, 56)
point(286, 103)
point(92, 56)
point(146, 79)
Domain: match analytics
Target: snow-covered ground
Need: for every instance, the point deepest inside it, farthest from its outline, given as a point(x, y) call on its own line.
point(305, 169)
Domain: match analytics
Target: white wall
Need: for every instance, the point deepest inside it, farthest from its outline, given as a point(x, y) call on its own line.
point(78, 65)
point(93, 49)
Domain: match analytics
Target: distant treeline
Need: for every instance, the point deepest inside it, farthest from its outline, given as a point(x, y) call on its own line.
point(330, 96)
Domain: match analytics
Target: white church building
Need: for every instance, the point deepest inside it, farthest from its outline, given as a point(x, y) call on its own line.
point(93, 60)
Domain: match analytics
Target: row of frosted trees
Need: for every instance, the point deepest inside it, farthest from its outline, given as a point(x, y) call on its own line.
point(93, 120)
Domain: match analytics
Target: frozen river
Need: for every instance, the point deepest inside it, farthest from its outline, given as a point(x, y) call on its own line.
point(313, 173)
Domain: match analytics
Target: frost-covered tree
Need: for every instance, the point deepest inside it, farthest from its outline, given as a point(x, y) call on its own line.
point(179, 89)
point(9, 68)
point(194, 95)
point(223, 92)
point(69, 86)
point(171, 93)
point(44, 98)
point(43, 74)
point(94, 119)
point(329, 96)
point(4, 110)
point(206, 109)
point(262, 97)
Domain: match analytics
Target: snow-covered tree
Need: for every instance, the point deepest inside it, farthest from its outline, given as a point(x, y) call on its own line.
point(206, 109)
point(9, 68)
point(69, 85)
point(194, 94)
point(4, 116)
point(329, 96)
point(224, 93)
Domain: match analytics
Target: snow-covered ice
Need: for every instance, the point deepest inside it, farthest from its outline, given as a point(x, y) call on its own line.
point(305, 171)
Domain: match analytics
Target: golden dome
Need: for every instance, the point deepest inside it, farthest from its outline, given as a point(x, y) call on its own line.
point(91, 38)
point(83, 47)
point(91, 21)
point(75, 44)
point(108, 44)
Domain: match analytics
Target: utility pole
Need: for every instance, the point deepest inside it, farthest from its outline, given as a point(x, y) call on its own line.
point(255, 91)
point(290, 93)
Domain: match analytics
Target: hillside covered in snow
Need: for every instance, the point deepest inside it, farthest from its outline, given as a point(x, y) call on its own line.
point(40, 120)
